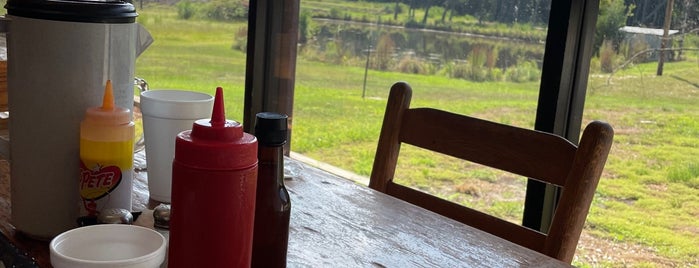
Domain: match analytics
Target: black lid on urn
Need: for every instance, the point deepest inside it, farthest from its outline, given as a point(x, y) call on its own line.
point(92, 11)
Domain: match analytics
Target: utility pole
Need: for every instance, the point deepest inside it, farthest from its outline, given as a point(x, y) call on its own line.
point(665, 40)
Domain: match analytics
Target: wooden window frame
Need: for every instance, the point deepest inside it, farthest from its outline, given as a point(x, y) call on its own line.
point(271, 61)
point(565, 70)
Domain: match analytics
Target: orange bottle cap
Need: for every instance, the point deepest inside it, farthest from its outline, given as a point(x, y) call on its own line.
point(108, 113)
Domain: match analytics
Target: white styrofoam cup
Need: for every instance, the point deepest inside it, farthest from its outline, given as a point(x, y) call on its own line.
point(166, 113)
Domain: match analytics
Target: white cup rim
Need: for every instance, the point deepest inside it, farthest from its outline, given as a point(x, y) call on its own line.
point(176, 95)
point(175, 104)
point(58, 256)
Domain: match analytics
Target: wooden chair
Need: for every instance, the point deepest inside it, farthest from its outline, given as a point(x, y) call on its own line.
point(530, 153)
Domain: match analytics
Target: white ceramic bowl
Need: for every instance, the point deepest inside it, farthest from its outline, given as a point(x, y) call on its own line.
point(108, 245)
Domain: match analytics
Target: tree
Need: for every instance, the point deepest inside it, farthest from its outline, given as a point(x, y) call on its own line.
point(412, 5)
point(483, 10)
point(613, 15)
point(506, 11)
point(448, 6)
point(396, 9)
point(685, 10)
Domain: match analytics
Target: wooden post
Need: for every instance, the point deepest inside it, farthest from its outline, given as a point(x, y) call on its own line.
point(271, 61)
point(664, 41)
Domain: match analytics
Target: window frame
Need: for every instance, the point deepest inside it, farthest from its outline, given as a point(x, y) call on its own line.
point(565, 71)
point(271, 62)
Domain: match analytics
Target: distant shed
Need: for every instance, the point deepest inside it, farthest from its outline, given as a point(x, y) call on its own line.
point(639, 38)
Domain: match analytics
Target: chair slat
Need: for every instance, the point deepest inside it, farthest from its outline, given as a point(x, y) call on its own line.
point(504, 147)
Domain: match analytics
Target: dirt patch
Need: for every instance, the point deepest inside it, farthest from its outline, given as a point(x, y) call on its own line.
point(596, 251)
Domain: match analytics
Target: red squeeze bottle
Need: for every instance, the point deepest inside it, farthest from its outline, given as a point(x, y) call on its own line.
point(214, 180)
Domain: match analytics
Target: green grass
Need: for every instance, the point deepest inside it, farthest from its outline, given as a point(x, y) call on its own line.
point(649, 193)
point(192, 55)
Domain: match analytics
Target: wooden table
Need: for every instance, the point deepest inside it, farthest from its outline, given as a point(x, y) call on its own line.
point(337, 223)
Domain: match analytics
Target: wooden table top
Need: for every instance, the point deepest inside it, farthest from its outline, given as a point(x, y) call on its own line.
point(337, 223)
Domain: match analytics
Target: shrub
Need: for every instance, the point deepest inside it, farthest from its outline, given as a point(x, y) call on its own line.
point(523, 72)
point(459, 70)
point(240, 39)
point(335, 13)
point(310, 53)
point(594, 65)
point(384, 52)
point(612, 16)
point(606, 57)
point(467, 71)
point(491, 57)
point(478, 74)
point(476, 60)
point(637, 45)
point(185, 9)
point(495, 74)
point(225, 10)
point(414, 24)
point(305, 26)
point(334, 52)
point(410, 64)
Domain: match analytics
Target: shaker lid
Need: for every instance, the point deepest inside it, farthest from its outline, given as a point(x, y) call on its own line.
point(95, 11)
point(115, 216)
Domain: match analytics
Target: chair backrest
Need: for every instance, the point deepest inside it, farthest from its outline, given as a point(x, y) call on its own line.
point(530, 153)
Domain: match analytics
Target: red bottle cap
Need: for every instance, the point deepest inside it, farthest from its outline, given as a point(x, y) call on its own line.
point(216, 143)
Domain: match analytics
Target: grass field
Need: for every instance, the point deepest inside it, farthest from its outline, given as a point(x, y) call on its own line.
point(645, 213)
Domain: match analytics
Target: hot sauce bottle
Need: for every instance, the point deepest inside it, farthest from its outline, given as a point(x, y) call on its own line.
point(106, 157)
point(214, 177)
point(273, 207)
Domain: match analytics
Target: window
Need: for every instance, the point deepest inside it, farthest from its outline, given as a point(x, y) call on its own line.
point(197, 46)
point(647, 203)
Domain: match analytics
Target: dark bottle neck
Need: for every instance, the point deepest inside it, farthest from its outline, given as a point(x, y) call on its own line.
point(272, 156)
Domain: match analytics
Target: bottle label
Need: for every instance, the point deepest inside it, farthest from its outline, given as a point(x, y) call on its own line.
point(105, 178)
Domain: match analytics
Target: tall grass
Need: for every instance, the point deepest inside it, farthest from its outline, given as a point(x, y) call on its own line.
point(648, 195)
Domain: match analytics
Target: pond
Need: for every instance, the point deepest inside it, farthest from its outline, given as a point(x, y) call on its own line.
point(392, 43)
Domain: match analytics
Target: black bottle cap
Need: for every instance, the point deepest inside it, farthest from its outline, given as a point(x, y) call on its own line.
point(271, 128)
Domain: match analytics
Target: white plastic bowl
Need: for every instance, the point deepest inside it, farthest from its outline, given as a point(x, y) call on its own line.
point(108, 245)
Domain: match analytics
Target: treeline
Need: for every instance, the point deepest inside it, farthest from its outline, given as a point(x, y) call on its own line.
point(651, 14)
point(504, 11)
point(645, 13)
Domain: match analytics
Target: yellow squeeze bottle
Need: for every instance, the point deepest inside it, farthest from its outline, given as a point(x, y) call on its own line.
point(106, 157)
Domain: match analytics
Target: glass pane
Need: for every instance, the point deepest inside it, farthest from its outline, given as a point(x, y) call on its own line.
point(197, 46)
point(646, 208)
point(480, 58)
point(493, 191)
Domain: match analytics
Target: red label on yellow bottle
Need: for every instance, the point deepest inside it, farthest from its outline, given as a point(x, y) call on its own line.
point(99, 181)
point(106, 170)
